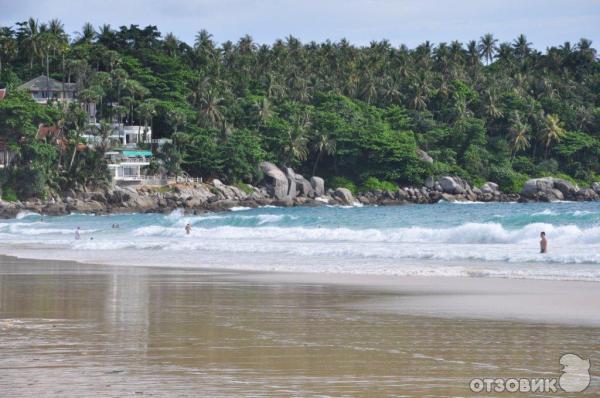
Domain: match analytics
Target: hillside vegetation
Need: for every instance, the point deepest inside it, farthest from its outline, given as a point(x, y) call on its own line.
point(483, 110)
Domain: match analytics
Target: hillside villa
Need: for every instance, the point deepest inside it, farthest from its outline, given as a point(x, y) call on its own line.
point(43, 88)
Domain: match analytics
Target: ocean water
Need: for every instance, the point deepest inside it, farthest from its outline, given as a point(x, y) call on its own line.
point(445, 239)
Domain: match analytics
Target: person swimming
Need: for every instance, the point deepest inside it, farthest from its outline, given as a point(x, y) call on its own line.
point(188, 228)
point(77, 234)
point(543, 243)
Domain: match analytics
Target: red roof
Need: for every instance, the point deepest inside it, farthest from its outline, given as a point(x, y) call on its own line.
point(45, 131)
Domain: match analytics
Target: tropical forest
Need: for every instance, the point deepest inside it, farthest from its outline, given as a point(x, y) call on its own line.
point(365, 117)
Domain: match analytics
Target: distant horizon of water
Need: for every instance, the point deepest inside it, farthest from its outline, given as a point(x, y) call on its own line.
point(444, 239)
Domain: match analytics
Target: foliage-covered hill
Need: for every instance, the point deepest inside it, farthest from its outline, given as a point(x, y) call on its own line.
point(482, 110)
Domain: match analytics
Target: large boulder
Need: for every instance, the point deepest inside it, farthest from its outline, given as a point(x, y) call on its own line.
point(303, 186)
point(344, 196)
point(226, 192)
point(275, 181)
point(596, 187)
point(565, 187)
point(548, 189)
point(586, 194)
point(424, 156)
point(451, 185)
point(318, 185)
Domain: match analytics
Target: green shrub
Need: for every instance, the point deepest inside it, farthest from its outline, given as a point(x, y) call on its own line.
point(508, 180)
point(582, 184)
point(342, 182)
point(374, 184)
point(8, 194)
point(245, 188)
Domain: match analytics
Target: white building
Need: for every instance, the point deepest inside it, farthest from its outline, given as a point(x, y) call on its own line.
point(127, 165)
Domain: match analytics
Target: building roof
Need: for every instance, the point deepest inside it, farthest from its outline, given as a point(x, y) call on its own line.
point(2, 93)
point(132, 154)
point(40, 83)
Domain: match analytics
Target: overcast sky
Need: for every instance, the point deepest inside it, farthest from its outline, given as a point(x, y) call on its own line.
point(545, 22)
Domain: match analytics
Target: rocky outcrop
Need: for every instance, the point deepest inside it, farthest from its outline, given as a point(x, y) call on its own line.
point(286, 189)
point(275, 181)
point(424, 156)
point(451, 185)
point(304, 187)
point(291, 178)
point(344, 196)
point(550, 189)
point(318, 185)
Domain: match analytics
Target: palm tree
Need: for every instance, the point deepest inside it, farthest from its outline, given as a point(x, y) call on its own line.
point(323, 144)
point(176, 119)
point(8, 46)
point(518, 130)
point(105, 35)
point(32, 40)
point(553, 132)
point(210, 108)
point(75, 121)
point(295, 146)
point(487, 47)
point(146, 111)
point(87, 34)
point(171, 44)
point(522, 47)
point(264, 110)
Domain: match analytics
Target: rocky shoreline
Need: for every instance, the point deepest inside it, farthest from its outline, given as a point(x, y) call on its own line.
point(286, 189)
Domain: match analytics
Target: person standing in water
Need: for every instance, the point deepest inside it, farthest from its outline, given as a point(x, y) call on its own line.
point(543, 243)
point(77, 234)
point(188, 228)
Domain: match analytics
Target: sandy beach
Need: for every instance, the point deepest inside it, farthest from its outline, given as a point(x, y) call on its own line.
point(70, 329)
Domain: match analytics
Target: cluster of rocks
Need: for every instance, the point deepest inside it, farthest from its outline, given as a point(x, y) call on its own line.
point(286, 188)
point(550, 189)
point(450, 189)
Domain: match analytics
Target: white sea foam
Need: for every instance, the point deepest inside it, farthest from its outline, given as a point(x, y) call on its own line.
point(240, 208)
point(401, 240)
point(22, 214)
point(545, 212)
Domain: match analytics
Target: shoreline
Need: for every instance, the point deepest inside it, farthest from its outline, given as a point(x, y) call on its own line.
point(198, 198)
point(560, 302)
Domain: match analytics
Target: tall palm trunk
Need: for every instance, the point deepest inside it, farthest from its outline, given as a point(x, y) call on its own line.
point(48, 74)
point(314, 171)
point(74, 151)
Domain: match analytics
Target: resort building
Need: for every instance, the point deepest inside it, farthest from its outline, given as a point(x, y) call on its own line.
point(44, 88)
point(127, 165)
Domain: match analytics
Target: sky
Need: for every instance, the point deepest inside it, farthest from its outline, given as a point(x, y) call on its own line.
point(410, 22)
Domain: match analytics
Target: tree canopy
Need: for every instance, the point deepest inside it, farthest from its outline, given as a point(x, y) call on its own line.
point(483, 110)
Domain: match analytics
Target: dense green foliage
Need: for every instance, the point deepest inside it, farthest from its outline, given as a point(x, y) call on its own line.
point(482, 110)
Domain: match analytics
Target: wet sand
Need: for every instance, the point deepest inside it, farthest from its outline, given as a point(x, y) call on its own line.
point(72, 330)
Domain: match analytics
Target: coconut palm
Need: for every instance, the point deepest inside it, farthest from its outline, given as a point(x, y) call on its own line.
point(323, 144)
point(553, 132)
point(487, 47)
point(146, 111)
point(87, 34)
point(8, 46)
point(210, 108)
point(32, 40)
point(518, 134)
point(522, 47)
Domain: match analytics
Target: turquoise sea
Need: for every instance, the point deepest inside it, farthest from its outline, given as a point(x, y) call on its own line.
point(445, 239)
